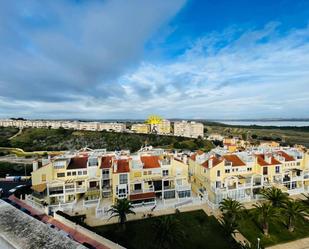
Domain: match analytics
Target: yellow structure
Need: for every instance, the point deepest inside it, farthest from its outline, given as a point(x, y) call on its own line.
point(98, 177)
point(241, 175)
point(141, 128)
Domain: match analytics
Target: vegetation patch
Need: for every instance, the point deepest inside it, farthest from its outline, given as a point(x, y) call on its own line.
point(181, 230)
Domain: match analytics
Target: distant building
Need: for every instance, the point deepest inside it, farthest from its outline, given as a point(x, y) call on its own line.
point(188, 129)
point(141, 128)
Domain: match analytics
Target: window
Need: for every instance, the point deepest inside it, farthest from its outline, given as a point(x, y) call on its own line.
point(43, 177)
point(227, 171)
point(277, 169)
point(165, 172)
point(123, 178)
point(69, 173)
point(60, 174)
point(218, 184)
point(74, 173)
point(218, 173)
point(265, 171)
point(298, 163)
point(182, 194)
point(92, 161)
point(249, 169)
point(85, 172)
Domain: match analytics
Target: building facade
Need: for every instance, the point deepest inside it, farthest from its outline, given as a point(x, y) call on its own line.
point(188, 129)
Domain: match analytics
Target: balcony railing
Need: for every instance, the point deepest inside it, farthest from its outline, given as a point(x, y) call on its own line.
point(145, 190)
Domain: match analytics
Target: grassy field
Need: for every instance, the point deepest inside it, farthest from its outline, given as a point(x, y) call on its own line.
point(200, 231)
point(33, 139)
point(279, 233)
point(285, 135)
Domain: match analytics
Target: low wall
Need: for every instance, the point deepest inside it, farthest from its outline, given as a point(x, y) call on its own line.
point(88, 233)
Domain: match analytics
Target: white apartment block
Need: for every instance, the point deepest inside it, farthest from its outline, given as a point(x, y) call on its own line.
point(188, 129)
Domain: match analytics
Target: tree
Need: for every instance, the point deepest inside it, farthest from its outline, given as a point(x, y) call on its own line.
point(293, 210)
point(168, 231)
point(265, 213)
point(231, 208)
point(120, 210)
point(275, 196)
point(228, 224)
point(306, 201)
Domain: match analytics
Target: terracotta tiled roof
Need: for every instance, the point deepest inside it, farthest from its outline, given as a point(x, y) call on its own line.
point(215, 162)
point(193, 157)
point(78, 163)
point(261, 160)
point(235, 160)
point(142, 196)
point(106, 162)
point(150, 162)
point(286, 156)
point(122, 166)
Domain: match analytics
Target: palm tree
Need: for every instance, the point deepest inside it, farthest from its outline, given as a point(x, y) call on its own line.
point(293, 210)
point(306, 201)
point(231, 208)
point(168, 231)
point(265, 213)
point(120, 210)
point(275, 196)
point(228, 224)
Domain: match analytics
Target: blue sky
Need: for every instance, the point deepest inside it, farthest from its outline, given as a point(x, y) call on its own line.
point(177, 58)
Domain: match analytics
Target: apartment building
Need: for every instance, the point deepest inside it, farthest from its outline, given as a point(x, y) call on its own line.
point(220, 174)
point(141, 128)
point(75, 125)
point(188, 129)
point(118, 127)
point(90, 177)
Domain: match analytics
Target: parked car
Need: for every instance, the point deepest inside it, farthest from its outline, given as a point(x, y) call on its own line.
point(12, 191)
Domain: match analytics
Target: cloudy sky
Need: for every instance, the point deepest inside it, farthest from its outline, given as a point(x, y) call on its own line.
point(177, 58)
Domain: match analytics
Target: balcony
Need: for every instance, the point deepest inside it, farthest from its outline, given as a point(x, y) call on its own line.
point(183, 187)
point(145, 190)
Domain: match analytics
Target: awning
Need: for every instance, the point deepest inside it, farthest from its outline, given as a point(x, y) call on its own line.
point(142, 196)
point(39, 187)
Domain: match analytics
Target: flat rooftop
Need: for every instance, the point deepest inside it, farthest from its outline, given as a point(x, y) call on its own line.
point(21, 231)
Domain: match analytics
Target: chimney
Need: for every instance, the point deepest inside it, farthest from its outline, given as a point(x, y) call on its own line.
point(35, 165)
point(268, 158)
point(115, 166)
point(210, 161)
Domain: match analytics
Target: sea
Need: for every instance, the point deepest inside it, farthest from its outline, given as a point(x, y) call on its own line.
point(266, 123)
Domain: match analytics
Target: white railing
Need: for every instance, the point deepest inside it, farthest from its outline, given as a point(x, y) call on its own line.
point(87, 203)
point(145, 190)
point(183, 187)
point(29, 200)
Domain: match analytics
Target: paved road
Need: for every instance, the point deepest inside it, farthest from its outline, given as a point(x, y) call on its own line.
point(7, 185)
point(297, 244)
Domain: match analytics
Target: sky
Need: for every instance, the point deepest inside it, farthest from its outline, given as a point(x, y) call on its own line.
point(120, 59)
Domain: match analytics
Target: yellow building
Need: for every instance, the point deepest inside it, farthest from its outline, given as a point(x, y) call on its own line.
point(94, 177)
point(241, 175)
point(141, 128)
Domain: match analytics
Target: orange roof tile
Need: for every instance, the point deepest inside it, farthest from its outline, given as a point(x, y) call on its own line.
point(235, 160)
point(215, 162)
point(150, 162)
point(286, 156)
point(78, 163)
point(193, 157)
point(122, 166)
point(106, 162)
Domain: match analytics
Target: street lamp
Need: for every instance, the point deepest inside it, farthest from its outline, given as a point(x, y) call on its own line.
point(258, 245)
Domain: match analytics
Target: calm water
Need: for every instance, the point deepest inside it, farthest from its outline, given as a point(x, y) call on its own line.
point(268, 123)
